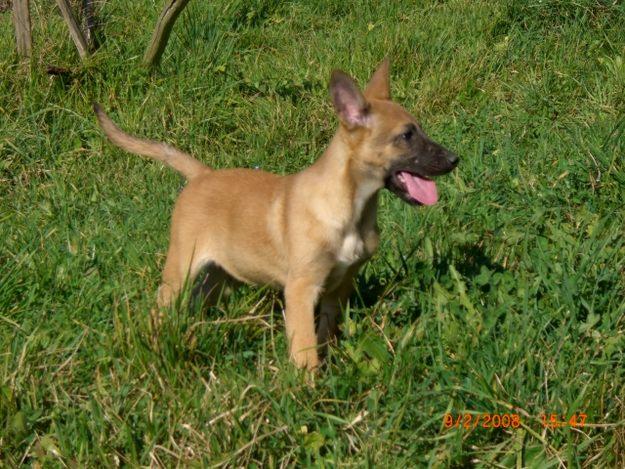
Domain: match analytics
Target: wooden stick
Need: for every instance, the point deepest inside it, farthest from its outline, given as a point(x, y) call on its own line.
point(162, 31)
point(90, 23)
point(21, 23)
point(74, 29)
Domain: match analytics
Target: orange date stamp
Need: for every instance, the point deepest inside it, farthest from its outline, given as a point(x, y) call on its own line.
point(488, 421)
point(468, 421)
point(577, 420)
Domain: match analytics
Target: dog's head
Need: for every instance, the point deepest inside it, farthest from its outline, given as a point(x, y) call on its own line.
point(388, 144)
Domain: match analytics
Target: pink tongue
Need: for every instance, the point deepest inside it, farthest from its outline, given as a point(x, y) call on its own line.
point(422, 190)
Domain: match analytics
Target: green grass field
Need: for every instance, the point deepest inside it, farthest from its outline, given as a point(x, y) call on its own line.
point(508, 297)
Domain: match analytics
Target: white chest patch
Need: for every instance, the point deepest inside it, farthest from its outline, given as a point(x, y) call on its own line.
point(352, 249)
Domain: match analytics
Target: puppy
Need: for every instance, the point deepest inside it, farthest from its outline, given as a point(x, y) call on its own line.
point(308, 232)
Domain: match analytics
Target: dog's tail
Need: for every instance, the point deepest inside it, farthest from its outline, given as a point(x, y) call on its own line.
point(182, 162)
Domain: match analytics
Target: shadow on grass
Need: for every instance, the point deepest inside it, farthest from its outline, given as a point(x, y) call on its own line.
point(468, 259)
point(471, 262)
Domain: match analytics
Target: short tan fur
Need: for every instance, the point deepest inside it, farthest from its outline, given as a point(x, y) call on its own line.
point(307, 233)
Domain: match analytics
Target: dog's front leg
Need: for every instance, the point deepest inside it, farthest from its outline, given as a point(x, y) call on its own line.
point(330, 307)
point(328, 325)
point(301, 294)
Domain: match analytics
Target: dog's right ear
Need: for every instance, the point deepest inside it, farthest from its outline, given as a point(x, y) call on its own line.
point(379, 86)
point(349, 102)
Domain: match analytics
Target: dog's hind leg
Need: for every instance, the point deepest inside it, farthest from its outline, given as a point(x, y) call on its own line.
point(181, 267)
point(211, 285)
point(172, 281)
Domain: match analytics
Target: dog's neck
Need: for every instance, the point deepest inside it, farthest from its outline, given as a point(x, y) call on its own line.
point(348, 193)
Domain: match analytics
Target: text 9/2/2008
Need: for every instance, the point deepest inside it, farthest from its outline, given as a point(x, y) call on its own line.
point(489, 421)
point(468, 421)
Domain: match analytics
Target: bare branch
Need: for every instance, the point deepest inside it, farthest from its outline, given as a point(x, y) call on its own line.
point(90, 23)
point(74, 29)
point(162, 31)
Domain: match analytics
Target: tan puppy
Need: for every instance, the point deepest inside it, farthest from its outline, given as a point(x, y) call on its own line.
point(308, 232)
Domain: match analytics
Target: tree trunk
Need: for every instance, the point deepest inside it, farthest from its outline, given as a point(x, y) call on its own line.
point(21, 22)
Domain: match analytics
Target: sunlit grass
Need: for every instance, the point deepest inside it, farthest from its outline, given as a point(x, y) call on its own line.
point(507, 297)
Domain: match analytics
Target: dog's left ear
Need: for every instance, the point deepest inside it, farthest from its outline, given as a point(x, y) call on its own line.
point(349, 102)
point(379, 86)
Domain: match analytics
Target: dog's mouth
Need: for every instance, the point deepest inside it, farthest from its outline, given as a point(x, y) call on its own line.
point(413, 188)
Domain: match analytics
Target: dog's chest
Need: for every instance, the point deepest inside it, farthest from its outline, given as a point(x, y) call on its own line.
point(352, 249)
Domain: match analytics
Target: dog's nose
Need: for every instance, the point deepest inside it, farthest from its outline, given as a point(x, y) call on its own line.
point(452, 158)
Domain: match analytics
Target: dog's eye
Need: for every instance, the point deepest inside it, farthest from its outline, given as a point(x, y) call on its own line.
point(407, 135)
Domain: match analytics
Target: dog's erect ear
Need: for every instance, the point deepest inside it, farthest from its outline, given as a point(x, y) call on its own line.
point(350, 104)
point(379, 86)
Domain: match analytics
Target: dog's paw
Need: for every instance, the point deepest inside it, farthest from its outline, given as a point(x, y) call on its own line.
point(305, 357)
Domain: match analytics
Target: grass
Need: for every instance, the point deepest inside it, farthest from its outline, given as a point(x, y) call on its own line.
point(506, 297)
